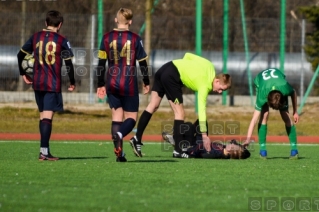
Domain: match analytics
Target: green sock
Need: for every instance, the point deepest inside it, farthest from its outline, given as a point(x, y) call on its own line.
point(292, 134)
point(262, 132)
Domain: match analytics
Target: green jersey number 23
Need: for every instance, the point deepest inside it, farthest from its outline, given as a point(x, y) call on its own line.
point(269, 73)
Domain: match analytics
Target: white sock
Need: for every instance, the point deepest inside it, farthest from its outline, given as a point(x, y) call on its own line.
point(44, 150)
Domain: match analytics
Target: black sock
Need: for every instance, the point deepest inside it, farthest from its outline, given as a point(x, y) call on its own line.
point(116, 125)
point(40, 129)
point(178, 135)
point(46, 128)
point(127, 126)
point(189, 135)
point(40, 126)
point(142, 123)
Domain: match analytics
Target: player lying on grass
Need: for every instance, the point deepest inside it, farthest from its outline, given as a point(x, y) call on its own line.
point(272, 91)
point(193, 72)
point(193, 146)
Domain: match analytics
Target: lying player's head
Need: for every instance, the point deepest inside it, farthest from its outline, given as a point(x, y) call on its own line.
point(221, 83)
point(237, 151)
point(54, 18)
point(124, 16)
point(276, 100)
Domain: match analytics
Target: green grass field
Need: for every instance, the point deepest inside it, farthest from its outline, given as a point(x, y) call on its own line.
point(87, 178)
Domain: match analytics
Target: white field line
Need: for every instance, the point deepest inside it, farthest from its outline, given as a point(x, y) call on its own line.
point(147, 143)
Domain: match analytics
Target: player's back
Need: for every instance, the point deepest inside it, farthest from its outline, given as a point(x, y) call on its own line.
point(269, 78)
point(122, 48)
point(50, 48)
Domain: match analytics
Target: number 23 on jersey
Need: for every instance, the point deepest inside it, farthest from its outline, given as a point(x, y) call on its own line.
point(269, 73)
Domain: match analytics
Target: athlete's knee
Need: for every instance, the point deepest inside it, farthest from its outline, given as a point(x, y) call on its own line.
point(151, 108)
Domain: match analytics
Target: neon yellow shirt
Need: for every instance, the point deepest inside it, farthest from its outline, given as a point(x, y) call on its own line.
point(197, 74)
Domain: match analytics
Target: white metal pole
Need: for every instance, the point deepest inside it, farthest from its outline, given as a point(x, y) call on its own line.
point(91, 95)
point(303, 23)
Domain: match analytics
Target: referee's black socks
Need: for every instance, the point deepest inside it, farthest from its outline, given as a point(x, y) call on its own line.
point(178, 135)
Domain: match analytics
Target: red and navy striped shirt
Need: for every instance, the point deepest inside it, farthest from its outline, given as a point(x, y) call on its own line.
point(122, 48)
point(49, 49)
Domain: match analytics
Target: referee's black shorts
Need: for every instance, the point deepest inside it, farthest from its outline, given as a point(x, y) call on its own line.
point(168, 82)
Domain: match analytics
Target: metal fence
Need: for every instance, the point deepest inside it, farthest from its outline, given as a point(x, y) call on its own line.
point(170, 39)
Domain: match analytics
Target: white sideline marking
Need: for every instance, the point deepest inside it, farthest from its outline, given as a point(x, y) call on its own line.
point(146, 143)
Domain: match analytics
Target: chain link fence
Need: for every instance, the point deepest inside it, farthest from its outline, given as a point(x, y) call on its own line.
point(171, 38)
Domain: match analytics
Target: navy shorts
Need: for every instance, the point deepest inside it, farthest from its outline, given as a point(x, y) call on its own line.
point(128, 103)
point(167, 81)
point(284, 108)
point(50, 101)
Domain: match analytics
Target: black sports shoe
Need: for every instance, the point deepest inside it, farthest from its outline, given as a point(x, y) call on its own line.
point(180, 155)
point(168, 138)
point(136, 146)
point(121, 158)
point(47, 157)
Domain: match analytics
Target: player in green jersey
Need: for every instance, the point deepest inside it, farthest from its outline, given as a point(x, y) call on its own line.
point(272, 90)
point(193, 72)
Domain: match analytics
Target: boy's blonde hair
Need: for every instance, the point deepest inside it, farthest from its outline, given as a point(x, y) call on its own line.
point(225, 79)
point(124, 16)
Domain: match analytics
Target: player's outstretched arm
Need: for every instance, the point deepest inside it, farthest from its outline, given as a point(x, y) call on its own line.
point(294, 107)
point(206, 142)
point(251, 127)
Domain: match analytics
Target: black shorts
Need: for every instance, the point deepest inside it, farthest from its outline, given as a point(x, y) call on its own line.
point(50, 101)
point(284, 108)
point(168, 82)
point(128, 103)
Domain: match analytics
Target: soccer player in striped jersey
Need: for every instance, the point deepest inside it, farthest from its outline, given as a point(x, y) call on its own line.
point(272, 90)
point(197, 74)
point(49, 49)
point(121, 48)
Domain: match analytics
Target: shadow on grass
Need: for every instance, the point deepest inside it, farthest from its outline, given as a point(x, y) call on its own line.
point(80, 158)
point(151, 161)
point(270, 158)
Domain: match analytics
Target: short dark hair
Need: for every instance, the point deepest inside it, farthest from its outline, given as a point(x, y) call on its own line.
point(54, 18)
point(276, 100)
point(242, 153)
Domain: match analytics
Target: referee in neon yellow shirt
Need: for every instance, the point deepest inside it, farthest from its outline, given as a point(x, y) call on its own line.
point(197, 74)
